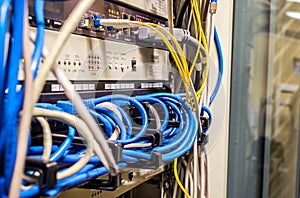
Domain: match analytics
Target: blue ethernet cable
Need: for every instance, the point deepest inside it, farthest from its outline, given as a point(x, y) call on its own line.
point(221, 64)
point(4, 15)
point(178, 138)
point(174, 104)
point(127, 120)
point(77, 179)
point(126, 100)
point(188, 143)
point(4, 19)
point(108, 123)
point(35, 190)
point(115, 118)
point(93, 160)
point(164, 107)
point(190, 132)
point(180, 119)
point(193, 130)
point(136, 154)
point(127, 158)
point(64, 146)
point(48, 106)
point(182, 134)
point(169, 95)
point(172, 101)
point(38, 150)
point(39, 42)
point(173, 130)
point(11, 107)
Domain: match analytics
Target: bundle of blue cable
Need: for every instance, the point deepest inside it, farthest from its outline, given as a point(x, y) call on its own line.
point(4, 17)
point(11, 98)
point(10, 107)
point(176, 141)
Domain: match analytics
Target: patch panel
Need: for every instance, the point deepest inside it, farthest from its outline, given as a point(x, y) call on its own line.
point(95, 65)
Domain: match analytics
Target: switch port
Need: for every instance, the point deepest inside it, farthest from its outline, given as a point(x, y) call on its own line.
point(125, 16)
point(132, 18)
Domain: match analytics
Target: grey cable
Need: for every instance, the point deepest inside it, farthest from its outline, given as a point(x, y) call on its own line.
point(47, 142)
point(155, 114)
point(104, 152)
point(188, 170)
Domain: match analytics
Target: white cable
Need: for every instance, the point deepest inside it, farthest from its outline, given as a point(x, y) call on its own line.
point(188, 171)
point(119, 23)
point(137, 145)
point(82, 129)
point(47, 142)
point(192, 182)
point(199, 176)
point(211, 32)
point(196, 169)
point(207, 175)
point(26, 114)
point(202, 168)
point(115, 134)
point(155, 114)
point(175, 190)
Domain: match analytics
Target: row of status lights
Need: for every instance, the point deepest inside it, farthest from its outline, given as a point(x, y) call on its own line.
point(124, 15)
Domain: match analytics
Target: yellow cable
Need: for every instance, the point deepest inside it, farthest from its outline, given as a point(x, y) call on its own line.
point(180, 63)
point(184, 61)
point(178, 180)
point(199, 45)
point(180, 51)
point(195, 22)
point(205, 73)
point(196, 32)
point(172, 50)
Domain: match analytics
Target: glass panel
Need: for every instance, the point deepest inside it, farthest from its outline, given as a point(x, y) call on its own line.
point(285, 116)
point(264, 120)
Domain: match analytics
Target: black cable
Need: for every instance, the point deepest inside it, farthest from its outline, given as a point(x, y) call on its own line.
point(204, 14)
point(181, 14)
point(197, 82)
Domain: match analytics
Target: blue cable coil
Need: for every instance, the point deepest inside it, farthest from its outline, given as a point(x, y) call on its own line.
point(176, 141)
